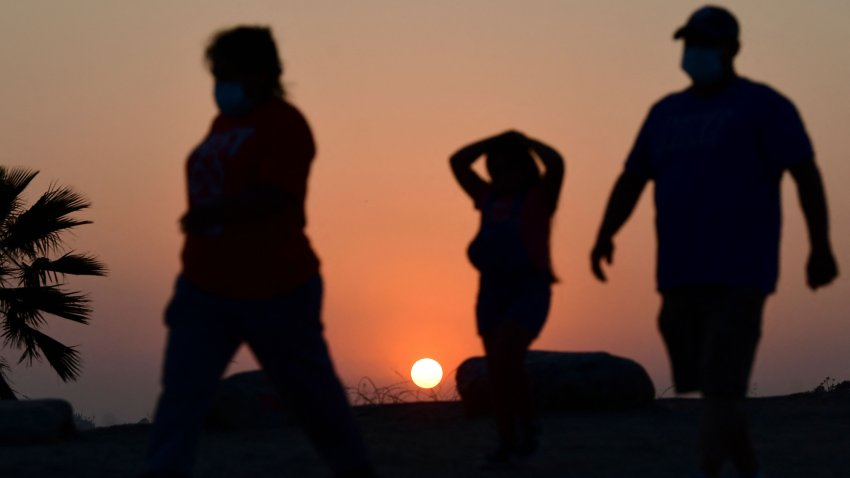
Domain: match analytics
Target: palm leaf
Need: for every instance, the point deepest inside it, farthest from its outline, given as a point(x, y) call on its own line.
point(4, 367)
point(36, 230)
point(41, 269)
point(63, 359)
point(5, 272)
point(27, 303)
point(6, 392)
point(16, 332)
point(13, 181)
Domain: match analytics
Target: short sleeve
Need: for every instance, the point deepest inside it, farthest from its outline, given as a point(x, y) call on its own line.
point(289, 152)
point(639, 159)
point(783, 134)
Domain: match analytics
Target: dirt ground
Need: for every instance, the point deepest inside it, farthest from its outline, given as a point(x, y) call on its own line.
point(805, 436)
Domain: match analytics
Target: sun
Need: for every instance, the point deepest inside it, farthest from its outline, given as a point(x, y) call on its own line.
point(426, 373)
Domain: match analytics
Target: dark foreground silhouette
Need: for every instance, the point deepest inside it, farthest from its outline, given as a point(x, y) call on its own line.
point(799, 436)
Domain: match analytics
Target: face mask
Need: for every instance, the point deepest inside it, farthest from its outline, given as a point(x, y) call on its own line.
point(231, 98)
point(703, 65)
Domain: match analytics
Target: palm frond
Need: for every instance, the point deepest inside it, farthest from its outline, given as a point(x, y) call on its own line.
point(43, 269)
point(13, 181)
point(64, 360)
point(15, 331)
point(27, 302)
point(4, 367)
point(37, 230)
point(6, 392)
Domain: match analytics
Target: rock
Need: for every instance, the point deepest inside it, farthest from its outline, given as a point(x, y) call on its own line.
point(25, 422)
point(564, 381)
point(246, 401)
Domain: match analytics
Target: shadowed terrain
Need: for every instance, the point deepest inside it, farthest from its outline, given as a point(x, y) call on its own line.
point(806, 435)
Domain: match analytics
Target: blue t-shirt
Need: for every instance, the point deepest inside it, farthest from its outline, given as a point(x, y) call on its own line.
point(717, 163)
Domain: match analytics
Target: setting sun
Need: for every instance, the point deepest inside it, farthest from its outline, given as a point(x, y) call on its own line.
point(426, 373)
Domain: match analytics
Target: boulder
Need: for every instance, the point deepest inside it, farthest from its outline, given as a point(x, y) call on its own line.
point(247, 401)
point(24, 422)
point(564, 381)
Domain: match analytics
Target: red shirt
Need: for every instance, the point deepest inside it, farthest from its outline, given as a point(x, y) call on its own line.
point(270, 147)
point(514, 233)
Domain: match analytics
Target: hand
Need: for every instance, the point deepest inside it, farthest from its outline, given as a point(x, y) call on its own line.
point(604, 249)
point(821, 268)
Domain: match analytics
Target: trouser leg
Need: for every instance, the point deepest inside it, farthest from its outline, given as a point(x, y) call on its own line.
point(724, 433)
point(711, 335)
point(200, 344)
point(286, 337)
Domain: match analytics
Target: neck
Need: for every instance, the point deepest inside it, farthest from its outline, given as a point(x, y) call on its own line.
point(729, 77)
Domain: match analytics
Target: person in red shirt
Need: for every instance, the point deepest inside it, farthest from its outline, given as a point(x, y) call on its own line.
point(249, 273)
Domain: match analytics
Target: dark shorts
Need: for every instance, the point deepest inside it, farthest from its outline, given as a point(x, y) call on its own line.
point(711, 334)
point(522, 300)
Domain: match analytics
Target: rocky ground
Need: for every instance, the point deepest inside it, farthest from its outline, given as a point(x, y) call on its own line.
point(805, 436)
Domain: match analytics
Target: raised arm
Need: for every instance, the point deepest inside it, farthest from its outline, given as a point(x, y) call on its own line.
point(553, 177)
point(624, 198)
point(462, 161)
point(821, 268)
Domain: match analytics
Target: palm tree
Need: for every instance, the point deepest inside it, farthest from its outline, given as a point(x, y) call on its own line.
point(31, 282)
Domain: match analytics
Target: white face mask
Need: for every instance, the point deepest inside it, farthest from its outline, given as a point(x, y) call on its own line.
point(703, 65)
point(231, 98)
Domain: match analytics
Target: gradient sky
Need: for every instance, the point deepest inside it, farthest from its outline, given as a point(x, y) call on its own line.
point(109, 97)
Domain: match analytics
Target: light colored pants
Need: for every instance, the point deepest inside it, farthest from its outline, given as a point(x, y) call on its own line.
point(285, 335)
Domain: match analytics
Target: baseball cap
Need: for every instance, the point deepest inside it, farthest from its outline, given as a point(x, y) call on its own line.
point(710, 23)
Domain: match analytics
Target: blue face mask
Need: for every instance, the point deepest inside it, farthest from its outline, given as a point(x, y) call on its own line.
point(703, 65)
point(231, 98)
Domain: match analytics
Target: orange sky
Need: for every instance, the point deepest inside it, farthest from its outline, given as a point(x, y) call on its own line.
point(109, 98)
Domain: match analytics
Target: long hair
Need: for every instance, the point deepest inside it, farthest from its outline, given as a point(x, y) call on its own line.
point(249, 50)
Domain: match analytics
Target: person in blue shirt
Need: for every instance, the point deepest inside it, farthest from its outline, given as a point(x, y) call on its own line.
point(716, 153)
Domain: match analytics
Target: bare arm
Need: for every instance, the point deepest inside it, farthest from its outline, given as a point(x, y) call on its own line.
point(821, 268)
point(462, 161)
point(553, 177)
point(624, 198)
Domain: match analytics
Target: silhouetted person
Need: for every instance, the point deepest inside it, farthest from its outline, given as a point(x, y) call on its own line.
point(249, 273)
point(717, 152)
point(511, 251)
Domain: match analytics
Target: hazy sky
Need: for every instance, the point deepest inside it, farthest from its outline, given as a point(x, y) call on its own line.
point(109, 97)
